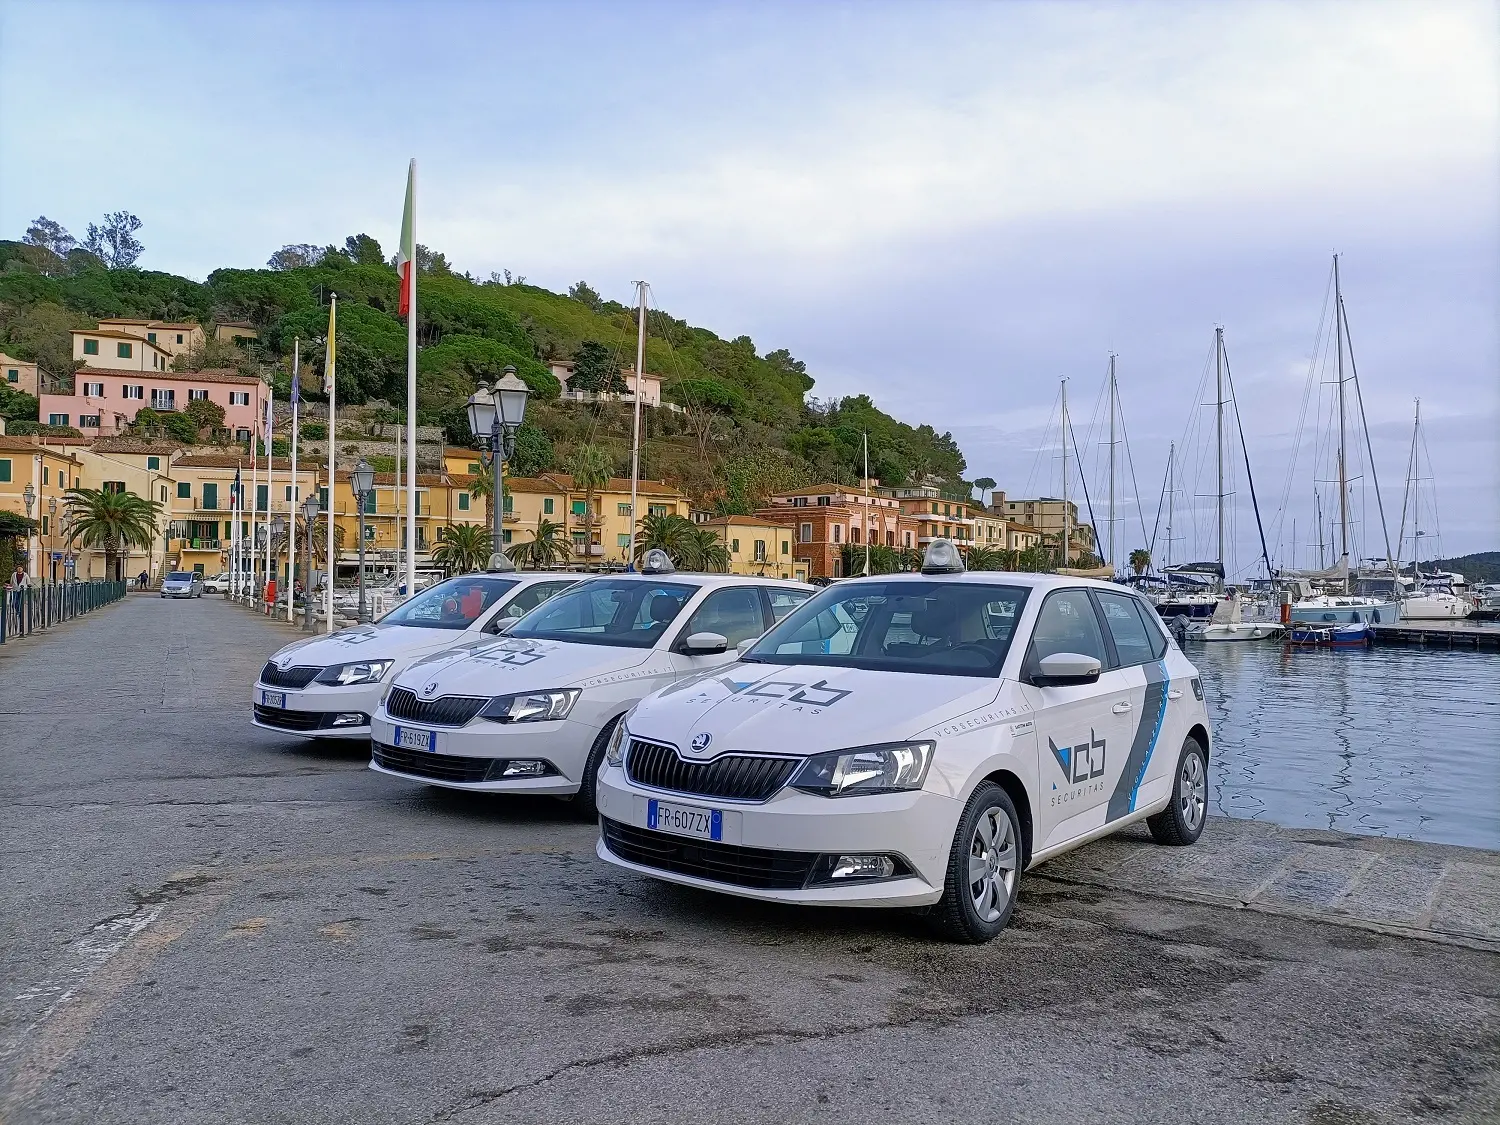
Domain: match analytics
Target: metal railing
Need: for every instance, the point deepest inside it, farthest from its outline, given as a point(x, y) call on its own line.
point(33, 608)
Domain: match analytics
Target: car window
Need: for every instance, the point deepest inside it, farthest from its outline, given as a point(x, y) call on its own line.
point(180, 576)
point(454, 604)
point(784, 601)
point(936, 627)
point(1156, 632)
point(734, 612)
point(525, 601)
point(1067, 623)
point(607, 611)
point(1126, 629)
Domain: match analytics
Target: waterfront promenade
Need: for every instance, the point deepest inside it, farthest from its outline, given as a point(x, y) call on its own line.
point(205, 922)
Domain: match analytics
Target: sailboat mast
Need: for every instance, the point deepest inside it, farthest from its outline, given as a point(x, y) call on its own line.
point(1067, 522)
point(1338, 327)
point(1219, 436)
point(1416, 508)
point(635, 430)
point(1171, 501)
point(1112, 394)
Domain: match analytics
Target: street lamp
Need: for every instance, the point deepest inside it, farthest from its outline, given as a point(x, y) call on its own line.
point(28, 497)
point(309, 513)
point(52, 537)
point(363, 481)
point(495, 414)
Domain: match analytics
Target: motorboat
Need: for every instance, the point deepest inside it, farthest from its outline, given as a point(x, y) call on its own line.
point(1228, 623)
point(1435, 605)
point(1331, 636)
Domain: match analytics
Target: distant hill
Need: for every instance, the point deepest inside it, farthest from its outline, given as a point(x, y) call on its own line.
point(1476, 568)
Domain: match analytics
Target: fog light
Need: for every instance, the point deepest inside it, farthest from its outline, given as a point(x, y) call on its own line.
point(863, 867)
point(524, 767)
point(350, 719)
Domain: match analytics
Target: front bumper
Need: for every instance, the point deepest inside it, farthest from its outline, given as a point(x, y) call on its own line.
point(317, 711)
point(471, 757)
point(766, 846)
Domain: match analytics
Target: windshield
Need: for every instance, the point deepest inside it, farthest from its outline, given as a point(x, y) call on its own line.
point(454, 604)
point(934, 627)
point(607, 611)
point(180, 576)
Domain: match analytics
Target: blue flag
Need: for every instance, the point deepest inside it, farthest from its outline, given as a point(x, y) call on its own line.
point(296, 385)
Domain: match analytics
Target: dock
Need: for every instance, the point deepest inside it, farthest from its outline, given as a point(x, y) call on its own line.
point(1440, 634)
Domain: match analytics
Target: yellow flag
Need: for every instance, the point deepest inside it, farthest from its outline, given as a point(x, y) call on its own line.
point(328, 362)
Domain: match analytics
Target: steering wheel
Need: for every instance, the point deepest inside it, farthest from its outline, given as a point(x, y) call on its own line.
point(986, 653)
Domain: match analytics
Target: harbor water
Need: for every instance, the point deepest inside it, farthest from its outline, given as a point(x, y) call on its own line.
point(1385, 741)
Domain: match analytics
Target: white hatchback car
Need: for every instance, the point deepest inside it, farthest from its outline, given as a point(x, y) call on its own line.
point(532, 712)
point(328, 686)
point(914, 740)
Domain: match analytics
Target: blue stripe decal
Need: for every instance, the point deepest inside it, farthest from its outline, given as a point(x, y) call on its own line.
point(1143, 745)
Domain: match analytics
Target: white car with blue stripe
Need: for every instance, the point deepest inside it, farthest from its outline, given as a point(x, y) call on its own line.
point(914, 740)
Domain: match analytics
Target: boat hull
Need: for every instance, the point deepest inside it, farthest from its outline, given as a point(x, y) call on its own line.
point(1435, 607)
point(1331, 636)
point(1244, 631)
point(1346, 611)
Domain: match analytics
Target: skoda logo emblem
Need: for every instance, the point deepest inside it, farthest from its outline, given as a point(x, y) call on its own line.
point(700, 741)
point(430, 688)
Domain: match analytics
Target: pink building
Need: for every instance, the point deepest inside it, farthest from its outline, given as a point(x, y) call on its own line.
point(105, 399)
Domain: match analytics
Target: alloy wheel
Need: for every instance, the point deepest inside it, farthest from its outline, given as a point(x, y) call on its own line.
point(992, 864)
point(1193, 791)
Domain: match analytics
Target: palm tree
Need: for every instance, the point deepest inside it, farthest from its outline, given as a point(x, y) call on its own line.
point(464, 547)
point(702, 550)
point(113, 521)
point(546, 548)
point(481, 486)
point(669, 533)
point(317, 535)
point(985, 558)
point(590, 469)
point(1140, 560)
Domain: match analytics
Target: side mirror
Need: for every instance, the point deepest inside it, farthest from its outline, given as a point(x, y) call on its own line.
point(1062, 669)
point(746, 645)
point(705, 644)
point(500, 624)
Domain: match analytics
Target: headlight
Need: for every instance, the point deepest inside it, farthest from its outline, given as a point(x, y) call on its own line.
point(889, 768)
point(614, 753)
point(531, 706)
point(363, 672)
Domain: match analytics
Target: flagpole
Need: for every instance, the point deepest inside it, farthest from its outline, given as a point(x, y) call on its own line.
point(330, 365)
point(270, 432)
point(291, 523)
point(254, 501)
point(411, 399)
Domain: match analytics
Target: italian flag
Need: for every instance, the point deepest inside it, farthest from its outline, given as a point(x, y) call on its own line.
point(406, 255)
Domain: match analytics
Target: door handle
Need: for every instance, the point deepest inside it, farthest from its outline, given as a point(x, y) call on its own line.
point(1121, 708)
point(1174, 694)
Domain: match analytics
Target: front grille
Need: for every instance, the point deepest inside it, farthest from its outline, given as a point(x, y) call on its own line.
point(292, 720)
point(438, 767)
point(721, 863)
point(448, 711)
point(734, 777)
point(292, 677)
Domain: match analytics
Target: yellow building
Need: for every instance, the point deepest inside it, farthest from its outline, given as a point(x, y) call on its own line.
point(18, 375)
point(50, 473)
point(758, 547)
point(172, 336)
point(119, 351)
point(235, 331)
point(989, 529)
point(200, 527)
point(600, 535)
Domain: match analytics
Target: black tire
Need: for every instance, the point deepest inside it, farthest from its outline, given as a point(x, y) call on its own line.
point(1182, 821)
point(962, 914)
point(583, 801)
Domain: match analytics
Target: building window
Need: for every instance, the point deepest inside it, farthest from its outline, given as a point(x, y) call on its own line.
point(509, 505)
point(547, 506)
point(854, 535)
point(760, 550)
point(57, 419)
point(151, 336)
point(578, 507)
point(124, 351)
point(163, 398)
point(824, 501)
point(507, 535)
point(133, 390)
point(734, 546)
point(890, 538)
point(622, 509)
point(179, 337)
point(46, 476)
point(260, 496)
point(908, 539)
point(12, 375)
point(463, 501)
point(799, 501)
point(91, 347)
point(88, 421)
point(196, 395)
point(163, 496)
point(804, 533)
point(93, 390)
point(115, 486)
point(185, 490)
point(153, 462)
point(242, 434)
point(623, 541)
point(323, 497)
point(236, 398)
point(837, 531)
point(211, 496)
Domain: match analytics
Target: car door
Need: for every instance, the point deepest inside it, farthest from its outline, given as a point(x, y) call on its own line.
point(1145, 690)
point(738, 613)
point(1078, 730)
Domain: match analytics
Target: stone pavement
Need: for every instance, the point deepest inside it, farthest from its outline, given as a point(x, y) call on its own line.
point(204, 922)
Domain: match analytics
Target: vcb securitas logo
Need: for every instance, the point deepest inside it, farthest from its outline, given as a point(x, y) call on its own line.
point(1080, 763)
point(813, 695)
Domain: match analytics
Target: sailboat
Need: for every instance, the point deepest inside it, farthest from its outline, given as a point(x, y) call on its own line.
point(1227, 622)
point(1425, 602)
point(1377, 598)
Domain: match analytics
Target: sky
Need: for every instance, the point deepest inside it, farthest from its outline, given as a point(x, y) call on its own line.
point(950, 207)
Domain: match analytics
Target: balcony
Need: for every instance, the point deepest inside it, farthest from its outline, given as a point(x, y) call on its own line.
point(591, 550)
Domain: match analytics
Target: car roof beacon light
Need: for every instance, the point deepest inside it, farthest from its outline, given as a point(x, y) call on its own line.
point(942, 558)
point(657, 561)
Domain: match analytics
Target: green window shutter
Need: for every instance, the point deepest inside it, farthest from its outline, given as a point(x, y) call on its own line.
point(622, 540)
point(12, 375)
point(473, 468)
point(547, 506)
point(509, 504)
point(734, 545)
point(185, 490)
point(370, 503)
point(210, 496)
point(91, 347)
point(323, 497)
point(463, 501)
point(228, 529)
point(578, 507)
point(124, 351)
point(153, 462)
point(507, 536)
point(260, 497)
point(151, 336)
point(5, 469)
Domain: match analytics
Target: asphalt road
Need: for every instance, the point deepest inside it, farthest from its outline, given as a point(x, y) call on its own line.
point(208, 923)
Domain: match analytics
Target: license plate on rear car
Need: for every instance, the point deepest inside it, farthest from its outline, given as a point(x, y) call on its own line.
point(411, 738)
point(683, 820)
point(273, 699)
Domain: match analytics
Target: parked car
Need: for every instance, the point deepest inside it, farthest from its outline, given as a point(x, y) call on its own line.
point(532, 712)
point(218, 584)
point(914, 740)
point(328, 686)
point(182, 584)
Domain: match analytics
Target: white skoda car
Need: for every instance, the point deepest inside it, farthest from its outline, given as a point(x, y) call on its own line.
point(532, 712)
point(914, 740)
point(328, 686)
